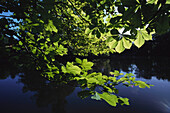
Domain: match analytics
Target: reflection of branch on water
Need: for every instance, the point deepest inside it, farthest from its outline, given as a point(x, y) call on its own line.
point(46, 93)
point(141, 66)
point(102, 65)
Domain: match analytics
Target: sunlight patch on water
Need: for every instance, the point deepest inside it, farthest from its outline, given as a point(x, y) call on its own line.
point(165, 106)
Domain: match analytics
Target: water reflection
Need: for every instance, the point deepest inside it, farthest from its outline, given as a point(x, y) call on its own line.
point(46, 93)
point(142, 66)
point(43, 92)
point(55, 97)
point(165, 105)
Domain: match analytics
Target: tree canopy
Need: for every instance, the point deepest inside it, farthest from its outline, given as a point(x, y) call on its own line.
point(48, 28)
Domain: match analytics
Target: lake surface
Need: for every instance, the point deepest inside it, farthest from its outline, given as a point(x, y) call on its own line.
point(30, 93)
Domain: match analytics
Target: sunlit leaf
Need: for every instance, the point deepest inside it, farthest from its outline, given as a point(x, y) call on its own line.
point(112, 44)
point(86, 65)
point(120, 48)
point(87, 31)
point(70, 68)
point(139, 39)
point(126, 43)
point(78, 60)
point(141, 84)
point(92, 80)
point(145, 35)
point(109, 98)
point(124, 101)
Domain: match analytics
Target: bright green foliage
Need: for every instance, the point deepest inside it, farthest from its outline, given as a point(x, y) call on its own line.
point(141, 37)
point(48, 29)
point(127, 44)
point(71, 69)
point(120, 48)
point(125, 101)
point(141, 84)
point(84, 64)
point(140, 40)
point(109, 98)
point(107, 85)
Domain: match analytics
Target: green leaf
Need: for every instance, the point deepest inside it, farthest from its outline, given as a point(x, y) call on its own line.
point(103, 1)
point(109, 39)
point(63, 69)
point(141, 84)
point(152, 1)
point(86, 65)
point(20, 43)
point(126, 43)
point(139, 41)
point(96, 96)
point(108, 89)
point(120, 48)
point(115, 73)
point(34, 51)
point(124, 101)
point(70, 68)
point(78, 61)
point(87, 31)
point(50, 27)
point(109, 98)
point(92, 80)
point(145, 35)
point(167, 2)
point(112, 44)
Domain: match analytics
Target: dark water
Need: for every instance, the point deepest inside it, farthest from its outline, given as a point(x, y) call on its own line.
point(30, 93)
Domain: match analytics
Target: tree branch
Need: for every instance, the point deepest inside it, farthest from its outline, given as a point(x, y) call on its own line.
point(78, 12)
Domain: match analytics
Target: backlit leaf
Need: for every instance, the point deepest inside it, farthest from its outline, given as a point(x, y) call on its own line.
point(86, 65)
point(78, 60)
point(112, 44)
point(124, 101)
point(109, 98)
point(120, 48)
point(70, 68)
point(87, 31)
point(145, 35)
point(139, 39)
point(126, 43)
point(141, 84)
